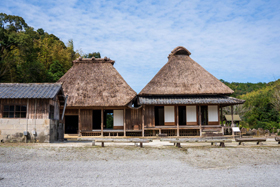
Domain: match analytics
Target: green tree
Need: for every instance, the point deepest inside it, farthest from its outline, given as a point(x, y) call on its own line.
point(94, 54)
point(55, 71)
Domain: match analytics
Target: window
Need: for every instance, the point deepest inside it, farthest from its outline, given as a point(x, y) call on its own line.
point(51, 114)
point(14, 111)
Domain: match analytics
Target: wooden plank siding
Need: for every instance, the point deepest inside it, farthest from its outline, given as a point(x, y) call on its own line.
point(133, 119)
point(42, 107)
point(86, 119)
point(149, 116)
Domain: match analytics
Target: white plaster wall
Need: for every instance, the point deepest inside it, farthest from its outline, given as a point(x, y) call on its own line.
point(213, 113)
point(191, 114)
point(118, 117)
point(169, 115)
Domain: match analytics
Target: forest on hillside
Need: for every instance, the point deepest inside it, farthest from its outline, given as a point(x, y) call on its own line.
point(262, 106)
point(30, 56)
point(35, 56)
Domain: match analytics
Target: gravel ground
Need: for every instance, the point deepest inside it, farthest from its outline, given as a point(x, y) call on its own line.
point(79, 164)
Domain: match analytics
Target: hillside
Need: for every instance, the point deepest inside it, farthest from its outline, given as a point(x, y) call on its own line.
point(262, 106)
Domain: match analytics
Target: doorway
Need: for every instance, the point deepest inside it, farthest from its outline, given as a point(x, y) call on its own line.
point(182, 115)
point(108, 119)
point(71, 124)
point(96, 119)
point(204, 115)
point(159, 115)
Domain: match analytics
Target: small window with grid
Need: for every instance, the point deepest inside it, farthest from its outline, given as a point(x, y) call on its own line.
point(14, 111)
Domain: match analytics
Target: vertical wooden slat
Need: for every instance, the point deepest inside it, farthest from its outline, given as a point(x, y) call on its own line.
point(143, 120)
point(177, 120)
point(79, 129)
point(221, 120)
point(124, 124)
point(232, 119)
point(199, 113)
point(102, 117)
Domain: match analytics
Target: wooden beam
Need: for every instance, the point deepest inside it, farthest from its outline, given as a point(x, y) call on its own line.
point(221, 115)
point(232, 119)
point(79, 129)
point(199, 114)
point(177, 118)
point(124, 124)
point(102, 117)
point(143, 120)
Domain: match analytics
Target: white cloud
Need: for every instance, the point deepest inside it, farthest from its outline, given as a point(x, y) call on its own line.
point(234, 41)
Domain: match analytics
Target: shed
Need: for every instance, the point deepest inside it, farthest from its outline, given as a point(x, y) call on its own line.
point(31, 109)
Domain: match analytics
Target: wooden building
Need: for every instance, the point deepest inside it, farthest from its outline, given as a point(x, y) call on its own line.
point(30, 111)
point(98, 100)
point(183, 99)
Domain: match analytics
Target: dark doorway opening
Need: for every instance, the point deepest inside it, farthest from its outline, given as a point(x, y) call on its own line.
point(96, 119)
point(71, 124)
point(182, 115)
point(204, 115)
point(159, 115)
point(108, 119)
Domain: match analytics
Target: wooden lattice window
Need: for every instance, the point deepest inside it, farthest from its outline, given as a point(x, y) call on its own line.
point(14, 111)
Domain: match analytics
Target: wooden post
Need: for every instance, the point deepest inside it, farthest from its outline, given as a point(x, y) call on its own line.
point(102, 117)
point(177, 118)
point(221, 115)
point(143, 120)
point(124, 124)
point(79, 129)
point(199, 114)
point(232, 119)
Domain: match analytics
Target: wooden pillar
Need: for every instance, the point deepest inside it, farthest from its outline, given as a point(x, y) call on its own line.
point(177, 120)
point(199, 114)
point(232, 119)
point(102, 117)
point(221, 115)
point(143, 120)
point(79, 129)
point(124, 124)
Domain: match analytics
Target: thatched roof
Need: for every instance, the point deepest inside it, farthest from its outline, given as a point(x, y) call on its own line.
point(95, 82)
point(181, 75)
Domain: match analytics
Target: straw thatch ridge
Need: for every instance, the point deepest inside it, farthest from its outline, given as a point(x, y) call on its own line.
point(95, 82)
point(181, 75)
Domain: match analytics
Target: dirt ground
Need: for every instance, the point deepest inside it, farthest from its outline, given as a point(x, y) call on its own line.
point(157, 164)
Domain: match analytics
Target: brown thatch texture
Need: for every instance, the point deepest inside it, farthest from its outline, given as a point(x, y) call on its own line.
point(181, 75)
point(95, 82)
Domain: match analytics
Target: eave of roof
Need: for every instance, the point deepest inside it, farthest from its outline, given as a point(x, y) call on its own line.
point(29, 90)
point(188, 100)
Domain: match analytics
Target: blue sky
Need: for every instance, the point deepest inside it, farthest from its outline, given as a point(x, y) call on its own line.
point(234, 40)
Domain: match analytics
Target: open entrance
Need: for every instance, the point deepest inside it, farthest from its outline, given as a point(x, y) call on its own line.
point(71, 124)
point(204, 115)
point(182, 115)
point(96, 119)
point(159, 115)
point(108, 119)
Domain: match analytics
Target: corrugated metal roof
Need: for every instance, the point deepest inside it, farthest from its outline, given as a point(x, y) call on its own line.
point(29, 90)
point(171, 100)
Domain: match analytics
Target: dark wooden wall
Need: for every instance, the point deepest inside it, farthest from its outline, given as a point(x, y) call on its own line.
point(149, 116)
point(86, 119)
point(42, 107)
point(133, 117)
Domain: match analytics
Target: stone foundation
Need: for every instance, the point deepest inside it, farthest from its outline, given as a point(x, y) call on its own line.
point(38, 130)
